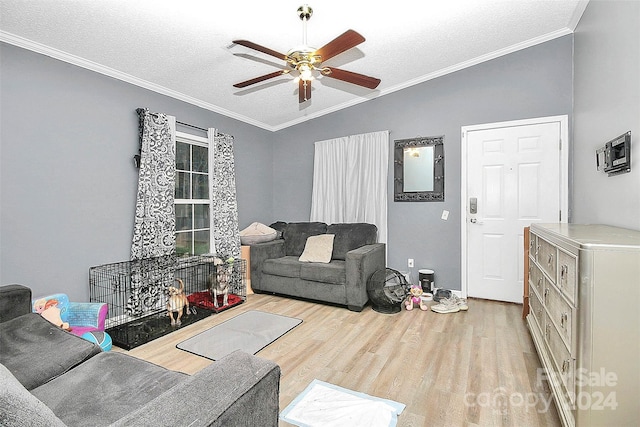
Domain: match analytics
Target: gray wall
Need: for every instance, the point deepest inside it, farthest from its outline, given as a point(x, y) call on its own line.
point(606, 104)
point(534, 82)
point(68, 184)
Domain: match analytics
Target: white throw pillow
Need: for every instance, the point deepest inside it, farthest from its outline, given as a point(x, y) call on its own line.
point(318, 249)
point(257, 233)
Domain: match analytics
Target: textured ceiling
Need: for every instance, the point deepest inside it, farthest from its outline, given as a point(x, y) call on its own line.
point(184, 48)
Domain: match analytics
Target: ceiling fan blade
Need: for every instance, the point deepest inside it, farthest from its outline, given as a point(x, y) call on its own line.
point(260, 79)
point(255, 46)
point(351, 77)
point(304, 90)
point(343, 42)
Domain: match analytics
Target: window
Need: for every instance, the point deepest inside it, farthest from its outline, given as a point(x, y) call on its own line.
point(192, 204)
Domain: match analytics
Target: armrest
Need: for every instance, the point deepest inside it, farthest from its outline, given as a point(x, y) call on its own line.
point(261, 252)
point(361, 264)
point(87, 314)
point(15, 300)
point(238, 390)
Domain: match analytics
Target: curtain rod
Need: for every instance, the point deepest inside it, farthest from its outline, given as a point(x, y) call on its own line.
point(192, 126)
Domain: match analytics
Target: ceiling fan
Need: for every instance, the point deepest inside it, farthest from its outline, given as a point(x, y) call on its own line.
point(306, 60)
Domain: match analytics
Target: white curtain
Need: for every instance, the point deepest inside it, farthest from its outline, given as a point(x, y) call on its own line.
point(350, 180)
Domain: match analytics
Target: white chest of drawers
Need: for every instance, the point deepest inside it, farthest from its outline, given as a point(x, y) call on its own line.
point(584, 317)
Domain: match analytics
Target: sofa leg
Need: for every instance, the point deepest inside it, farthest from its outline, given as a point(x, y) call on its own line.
point(355, 308)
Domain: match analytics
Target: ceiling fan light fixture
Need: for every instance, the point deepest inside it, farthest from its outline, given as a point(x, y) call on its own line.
point(306, 72)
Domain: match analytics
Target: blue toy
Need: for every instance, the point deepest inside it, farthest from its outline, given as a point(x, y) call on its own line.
point(98, 337)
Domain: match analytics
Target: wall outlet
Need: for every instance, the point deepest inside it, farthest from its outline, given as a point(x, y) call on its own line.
point(410, 262)
point(445, 215)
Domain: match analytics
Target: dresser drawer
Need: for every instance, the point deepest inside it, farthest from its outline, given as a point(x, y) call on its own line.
point(547, 257)
point(567, 268)
point(561, 313)
point(536, 278)
point(564, 364)
point(533, 239)
point(536, 309)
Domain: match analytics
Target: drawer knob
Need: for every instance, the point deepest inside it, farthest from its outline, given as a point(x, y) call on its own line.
point(565, 365)
point(550, 259)
point(564, 270)
point(564, 319)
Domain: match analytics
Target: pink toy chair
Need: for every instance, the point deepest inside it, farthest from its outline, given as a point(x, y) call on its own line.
point(81, 316)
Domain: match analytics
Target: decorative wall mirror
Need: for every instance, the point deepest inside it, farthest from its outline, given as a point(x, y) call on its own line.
point(419, 169)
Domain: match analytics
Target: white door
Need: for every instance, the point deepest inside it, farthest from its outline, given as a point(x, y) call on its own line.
point(514, 177)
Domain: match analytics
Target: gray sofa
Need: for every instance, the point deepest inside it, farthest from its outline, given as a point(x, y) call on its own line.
point(275, 265)
point(50, 377)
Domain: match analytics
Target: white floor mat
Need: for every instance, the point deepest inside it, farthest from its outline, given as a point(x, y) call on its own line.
point(324, 404)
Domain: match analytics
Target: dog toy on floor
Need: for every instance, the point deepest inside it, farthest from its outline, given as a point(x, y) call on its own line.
point(415, 294)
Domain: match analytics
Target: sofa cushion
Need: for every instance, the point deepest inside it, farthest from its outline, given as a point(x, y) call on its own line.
point(19, 407)
point(15, 300)
point(297, 233)
point(318, 249)
point(105, 388)
point(350, 236)
point(26, 339)
point(279, 226)
point(287, 266)
point(257, 233)
point(334, 273)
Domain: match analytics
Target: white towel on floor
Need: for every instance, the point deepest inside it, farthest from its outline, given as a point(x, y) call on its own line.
point(323, 404)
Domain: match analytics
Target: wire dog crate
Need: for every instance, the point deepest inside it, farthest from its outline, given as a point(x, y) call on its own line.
point(137, 293)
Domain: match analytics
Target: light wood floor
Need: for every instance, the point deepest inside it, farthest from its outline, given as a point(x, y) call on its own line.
point(463, 369)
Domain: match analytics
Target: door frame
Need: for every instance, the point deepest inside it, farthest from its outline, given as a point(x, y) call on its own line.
point(564, 176)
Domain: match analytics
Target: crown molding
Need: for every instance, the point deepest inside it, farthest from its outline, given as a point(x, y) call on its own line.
point(111, 72)
point(577, 14)
point(93, 66)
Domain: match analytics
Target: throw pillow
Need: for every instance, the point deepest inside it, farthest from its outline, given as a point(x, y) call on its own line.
point(318, 249)
point(257, 233)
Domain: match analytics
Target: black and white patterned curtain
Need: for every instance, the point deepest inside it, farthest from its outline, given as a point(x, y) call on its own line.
point(222, 182)
point(153, 246)
point(155, 219)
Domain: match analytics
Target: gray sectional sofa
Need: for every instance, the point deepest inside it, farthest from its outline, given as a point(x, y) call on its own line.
point(276, 266)
point(50, 377)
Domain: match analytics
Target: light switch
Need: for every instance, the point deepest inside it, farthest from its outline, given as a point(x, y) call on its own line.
point(445, 215)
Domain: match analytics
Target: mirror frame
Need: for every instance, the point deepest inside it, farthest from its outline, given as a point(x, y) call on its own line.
point(437, 194)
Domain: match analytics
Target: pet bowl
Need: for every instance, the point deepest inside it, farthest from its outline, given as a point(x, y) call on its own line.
point(426, 297)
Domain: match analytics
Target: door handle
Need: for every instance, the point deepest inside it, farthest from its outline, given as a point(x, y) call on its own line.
point(475, 221)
